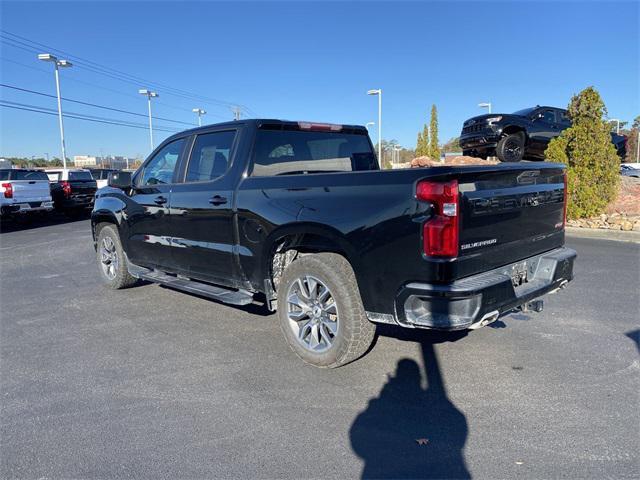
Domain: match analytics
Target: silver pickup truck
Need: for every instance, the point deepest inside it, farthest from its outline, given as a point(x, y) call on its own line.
point(24, 191)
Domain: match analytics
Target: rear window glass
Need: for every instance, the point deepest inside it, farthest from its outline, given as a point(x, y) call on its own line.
point(4, 174)
point(28, 175)
point(289, 152)
point(80, 176)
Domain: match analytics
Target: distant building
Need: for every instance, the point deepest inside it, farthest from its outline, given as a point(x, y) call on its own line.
point(4, 163)
point(116, 162)
point(85, 161)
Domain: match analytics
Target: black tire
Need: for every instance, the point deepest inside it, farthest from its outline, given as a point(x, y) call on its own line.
point(511, 148)
point(354, 333)
point(467, 153)
point(117, 276)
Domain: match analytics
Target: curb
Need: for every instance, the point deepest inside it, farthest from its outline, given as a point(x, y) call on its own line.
point(603, 234)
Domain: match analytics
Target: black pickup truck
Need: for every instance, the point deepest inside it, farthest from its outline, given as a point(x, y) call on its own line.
point(298, 216)
point(72, 190)
point(524, 134)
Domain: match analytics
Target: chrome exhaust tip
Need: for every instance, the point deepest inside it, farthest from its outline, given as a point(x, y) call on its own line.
point(486, 319)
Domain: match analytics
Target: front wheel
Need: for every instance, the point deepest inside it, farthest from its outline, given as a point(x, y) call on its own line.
point(112, 262)
point(321, 313)
point(510, 148)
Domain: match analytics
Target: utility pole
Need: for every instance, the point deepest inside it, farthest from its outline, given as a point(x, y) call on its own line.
point(236, 112)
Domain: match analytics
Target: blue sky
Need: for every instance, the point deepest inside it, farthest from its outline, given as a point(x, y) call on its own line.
point(312, 61)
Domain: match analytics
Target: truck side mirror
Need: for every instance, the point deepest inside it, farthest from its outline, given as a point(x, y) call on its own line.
point(121, 180)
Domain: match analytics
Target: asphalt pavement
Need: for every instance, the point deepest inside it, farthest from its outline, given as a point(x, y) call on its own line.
point(153, 383)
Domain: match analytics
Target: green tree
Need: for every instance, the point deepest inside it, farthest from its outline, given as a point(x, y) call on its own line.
point(434, 148)
point(422, 147)
point(632, 140)
point(453, 145)
point(586, 149)
point(419, 144)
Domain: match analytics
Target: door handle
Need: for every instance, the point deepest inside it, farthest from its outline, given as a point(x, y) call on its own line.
point(160, 200)
point(218, 200)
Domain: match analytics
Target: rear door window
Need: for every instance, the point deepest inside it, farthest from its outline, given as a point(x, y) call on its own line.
point(210, 156)
point(29, 175)
point(290, 152)
point(564, 118)
point(4, 174)
point(80, 176)
point(549, 116)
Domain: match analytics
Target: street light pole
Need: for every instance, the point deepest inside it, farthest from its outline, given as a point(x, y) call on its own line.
point(378, 92)
point(617, 125)
point(485, 105)
point(47, 57)
point(149, 94)
point(369, 123)
point(199, 112)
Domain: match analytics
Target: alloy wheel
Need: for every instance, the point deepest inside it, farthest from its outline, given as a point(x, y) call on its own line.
point(109, 258)
point(312, 313)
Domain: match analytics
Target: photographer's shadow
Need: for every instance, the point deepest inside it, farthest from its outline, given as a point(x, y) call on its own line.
point(411, 432)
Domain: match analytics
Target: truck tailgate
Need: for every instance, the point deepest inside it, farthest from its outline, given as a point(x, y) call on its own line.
point(83, 187)
point(31, 190)
point(509, 214)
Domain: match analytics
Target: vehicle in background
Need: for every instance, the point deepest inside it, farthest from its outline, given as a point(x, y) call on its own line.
point(630, 169)
point(299, 215)
point(24, 191)
point(524, 134)
point(73, 190)
point(101, 175)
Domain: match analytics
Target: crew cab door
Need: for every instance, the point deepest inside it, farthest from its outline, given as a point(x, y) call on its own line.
point(545, 127)
point(202, 210)
point(148, 236)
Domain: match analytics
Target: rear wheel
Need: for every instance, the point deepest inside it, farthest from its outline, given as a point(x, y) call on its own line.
point(511, 148)
point(112, 262)
point(321, 313)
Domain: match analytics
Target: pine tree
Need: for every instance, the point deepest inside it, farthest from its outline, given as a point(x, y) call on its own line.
point(591, 159)
point(425, 140)
point(422, 146)
point(434, 148)
point(419, 144)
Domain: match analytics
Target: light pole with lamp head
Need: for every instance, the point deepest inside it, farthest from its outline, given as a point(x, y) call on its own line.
point(486, 105)
point(149, 94)
point(369, 123)
point(47, 57)
point(617, 124)
point(199, 112)
point(378, 92)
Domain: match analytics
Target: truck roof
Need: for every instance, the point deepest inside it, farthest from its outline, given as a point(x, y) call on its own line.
point(258, 122)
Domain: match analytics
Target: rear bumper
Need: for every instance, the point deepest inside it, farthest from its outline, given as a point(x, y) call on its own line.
point(468, 302)
point(27, 207)
point(76, 202)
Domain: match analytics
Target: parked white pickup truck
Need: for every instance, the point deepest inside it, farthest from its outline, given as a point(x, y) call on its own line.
point(24, 191)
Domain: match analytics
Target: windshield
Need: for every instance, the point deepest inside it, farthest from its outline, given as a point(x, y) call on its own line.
point(290, 152)
point(524, 112)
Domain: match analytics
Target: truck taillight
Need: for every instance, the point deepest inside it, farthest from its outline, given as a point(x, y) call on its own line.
point(566, 198)
point(8, 190)
point(441, 232)
point(66, 188)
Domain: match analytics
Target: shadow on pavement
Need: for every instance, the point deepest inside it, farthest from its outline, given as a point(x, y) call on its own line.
point(635, 336)
point(411, 432)
point(28, 222)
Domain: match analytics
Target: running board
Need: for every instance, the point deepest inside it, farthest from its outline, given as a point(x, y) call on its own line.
point(233, 297)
